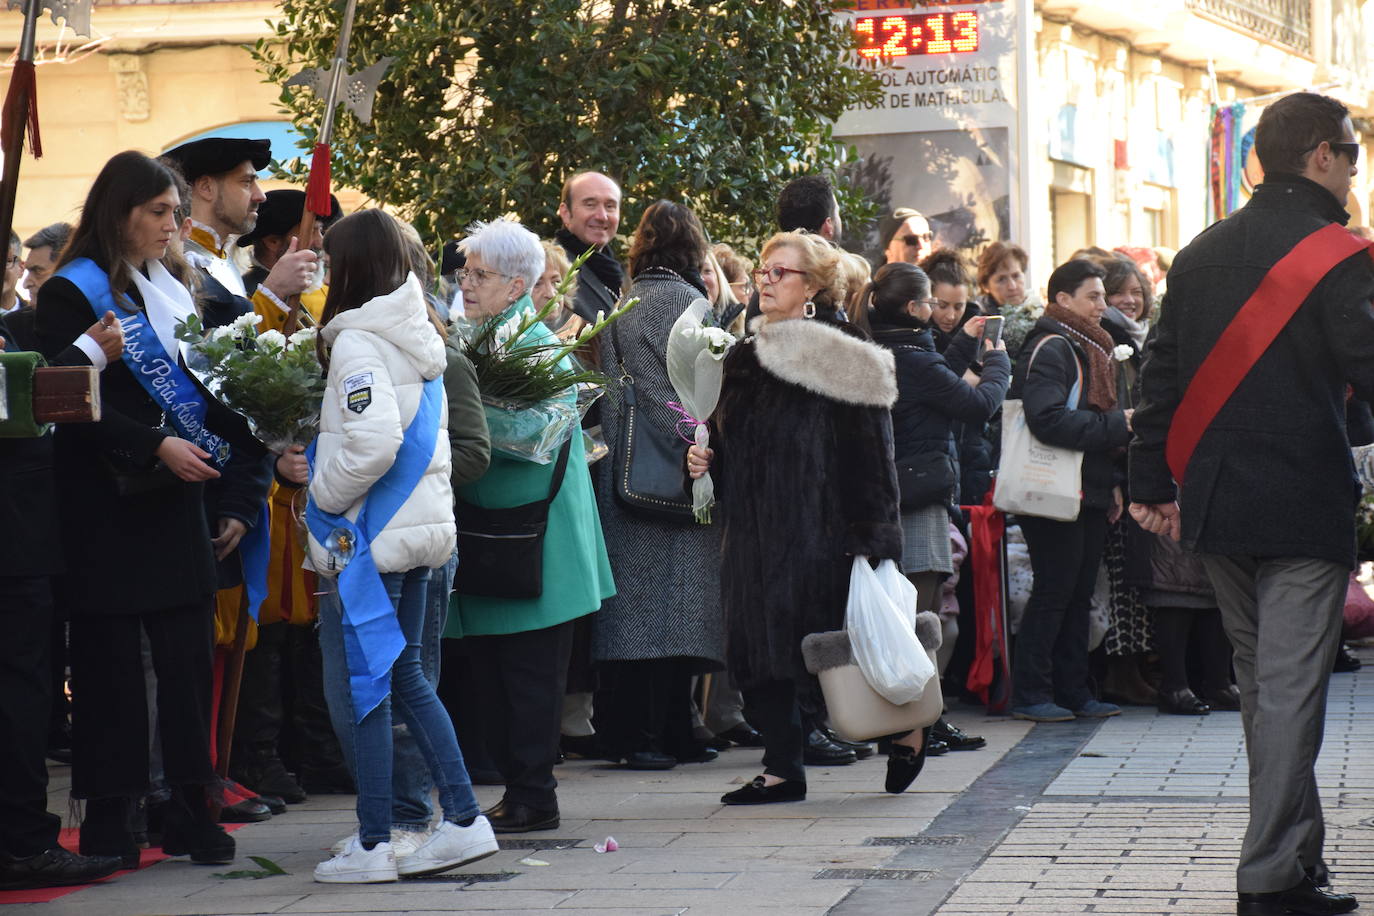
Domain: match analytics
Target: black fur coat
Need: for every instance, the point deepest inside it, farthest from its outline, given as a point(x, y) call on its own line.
point(805, 481)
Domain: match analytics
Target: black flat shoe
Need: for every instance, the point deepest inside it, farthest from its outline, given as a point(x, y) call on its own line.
point(1346, 661)
point(107, 832)
point(956, 738)
point(742, 735)
point(55, 868)
point(204, 842)
point(933, 746)
point(820, 751)
point(1182, 702)
point(756, 793)
point(649, 760)
point(903, 766)
point(1226, 699)
point(513, 817)
point(1303, 899)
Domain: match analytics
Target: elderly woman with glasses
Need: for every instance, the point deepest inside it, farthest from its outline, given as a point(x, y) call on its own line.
point(802, 461)
point(519, 647)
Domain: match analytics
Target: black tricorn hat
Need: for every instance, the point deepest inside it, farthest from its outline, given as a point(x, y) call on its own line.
point(281, 211)
point(216, 155)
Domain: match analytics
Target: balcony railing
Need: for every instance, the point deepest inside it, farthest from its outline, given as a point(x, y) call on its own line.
point(1283, 22)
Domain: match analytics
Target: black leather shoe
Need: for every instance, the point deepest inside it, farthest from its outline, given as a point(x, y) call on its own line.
point(935, 747)
point(106, 831)
point(1226, 699)
point(1346, 661)
point(55, 868)
point(862, 749)
point(903, 766)
point(275, 804)
point(649, 760)
point(1303, 899)
point(1318, 875)
point(513, 817)
point(702, 753)
point(756, 793)
point(820, 751)
point(271, 779)
point(1182, 702)
point(955, 737)
point(742, 735)
point(248, 811)
point(194, 834)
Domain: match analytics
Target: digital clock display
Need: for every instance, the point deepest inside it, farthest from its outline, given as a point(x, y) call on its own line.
point(922, 33)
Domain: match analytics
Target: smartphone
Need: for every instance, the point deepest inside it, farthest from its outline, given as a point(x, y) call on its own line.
point(992, 330)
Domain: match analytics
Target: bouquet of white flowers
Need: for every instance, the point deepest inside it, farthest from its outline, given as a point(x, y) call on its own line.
point(274, 381)
point(697, 346)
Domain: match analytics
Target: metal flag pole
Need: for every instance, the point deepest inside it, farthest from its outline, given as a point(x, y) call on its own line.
point(20, 114)
point(361, 90)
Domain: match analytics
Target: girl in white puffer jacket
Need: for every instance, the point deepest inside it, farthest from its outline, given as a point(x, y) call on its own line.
point(384, 403)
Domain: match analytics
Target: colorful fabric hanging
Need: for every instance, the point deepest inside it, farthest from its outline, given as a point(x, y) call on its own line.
point(1226, 159)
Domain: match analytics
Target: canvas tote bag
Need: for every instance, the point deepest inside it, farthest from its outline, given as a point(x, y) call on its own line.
point(1034, 478)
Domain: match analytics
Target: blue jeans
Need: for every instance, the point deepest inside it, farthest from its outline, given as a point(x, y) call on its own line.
point(373, 751)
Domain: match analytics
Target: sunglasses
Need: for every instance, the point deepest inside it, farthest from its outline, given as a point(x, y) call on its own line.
point(917, 239)
point(1351, 150)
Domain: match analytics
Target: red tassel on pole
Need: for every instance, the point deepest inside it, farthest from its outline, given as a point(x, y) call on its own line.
point(317, 191)
point(22, 102)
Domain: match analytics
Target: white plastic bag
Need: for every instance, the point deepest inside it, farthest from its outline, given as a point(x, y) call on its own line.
point(881, 620)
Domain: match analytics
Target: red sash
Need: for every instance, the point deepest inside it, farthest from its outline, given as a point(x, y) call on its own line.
point(1284, 288)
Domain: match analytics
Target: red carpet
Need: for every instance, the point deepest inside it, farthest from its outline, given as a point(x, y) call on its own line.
point(68, 838)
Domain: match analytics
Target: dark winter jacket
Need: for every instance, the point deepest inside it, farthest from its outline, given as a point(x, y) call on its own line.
point(805, 480)
point(1044, 394)
point(932, 397)
point(1272, 476)
point(1166, 574)
point(139, 551)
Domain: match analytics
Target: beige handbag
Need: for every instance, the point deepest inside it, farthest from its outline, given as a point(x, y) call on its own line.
point(857, 711)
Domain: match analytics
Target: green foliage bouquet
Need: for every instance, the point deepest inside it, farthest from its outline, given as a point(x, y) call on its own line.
point(533, 388)
point(276, 382)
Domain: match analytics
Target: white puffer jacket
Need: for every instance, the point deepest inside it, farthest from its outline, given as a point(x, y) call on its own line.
point(381, 355)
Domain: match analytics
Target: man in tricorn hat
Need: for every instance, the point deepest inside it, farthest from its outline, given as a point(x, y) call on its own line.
point(279, 222)
point(222, 173)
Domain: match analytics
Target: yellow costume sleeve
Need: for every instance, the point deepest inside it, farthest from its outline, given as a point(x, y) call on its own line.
point(274, 317)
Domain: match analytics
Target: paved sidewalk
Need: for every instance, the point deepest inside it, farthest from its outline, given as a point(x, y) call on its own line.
point(1141, 814)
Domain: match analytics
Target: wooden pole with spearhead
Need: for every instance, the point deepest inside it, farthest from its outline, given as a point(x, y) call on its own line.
point(361, 91)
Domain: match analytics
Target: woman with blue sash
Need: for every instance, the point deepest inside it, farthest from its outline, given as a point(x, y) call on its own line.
point(380, 517)
point(131, 510)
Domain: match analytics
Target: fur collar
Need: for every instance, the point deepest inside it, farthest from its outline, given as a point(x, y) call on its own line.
point(826, 360)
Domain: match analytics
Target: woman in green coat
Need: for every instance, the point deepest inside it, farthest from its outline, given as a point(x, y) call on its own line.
point(519, 648)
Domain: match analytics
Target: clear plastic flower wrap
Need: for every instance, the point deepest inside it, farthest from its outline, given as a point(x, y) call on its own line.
point(536, 432)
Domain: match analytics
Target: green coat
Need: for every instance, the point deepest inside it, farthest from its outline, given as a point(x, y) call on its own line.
point(577, 572)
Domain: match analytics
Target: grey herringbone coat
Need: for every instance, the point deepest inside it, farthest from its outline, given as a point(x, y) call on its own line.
point(668, 575)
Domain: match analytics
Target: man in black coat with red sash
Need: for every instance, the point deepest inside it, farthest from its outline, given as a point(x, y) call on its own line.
point(1266, 321)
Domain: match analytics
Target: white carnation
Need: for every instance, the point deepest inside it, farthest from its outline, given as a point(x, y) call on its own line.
point(244, 322)
point(275, 340)
point(1122, 352)
point(303, 338)
point(718, 338)
point(222, 332)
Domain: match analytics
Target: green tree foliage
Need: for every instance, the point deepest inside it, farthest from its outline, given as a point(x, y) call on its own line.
point(489, 106)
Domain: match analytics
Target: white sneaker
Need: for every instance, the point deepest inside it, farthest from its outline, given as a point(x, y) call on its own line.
point(403, 842)
point(449, 846)
point(356, 865)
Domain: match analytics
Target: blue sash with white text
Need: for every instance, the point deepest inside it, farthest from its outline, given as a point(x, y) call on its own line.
point(372, 635)
point(182, 404)
point(158, 372)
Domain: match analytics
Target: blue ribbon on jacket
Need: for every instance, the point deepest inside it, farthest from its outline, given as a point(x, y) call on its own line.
point(372, 635)
point(182, 404)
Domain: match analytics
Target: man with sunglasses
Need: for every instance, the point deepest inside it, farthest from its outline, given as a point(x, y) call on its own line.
point(912, 239)
point(1240, 451)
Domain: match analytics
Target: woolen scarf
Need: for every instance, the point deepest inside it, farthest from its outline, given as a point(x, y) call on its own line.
point(602, 263)
point(1098, 344)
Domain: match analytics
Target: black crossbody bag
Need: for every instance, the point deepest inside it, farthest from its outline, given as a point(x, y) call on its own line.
point(648, 467)
point(501, 551)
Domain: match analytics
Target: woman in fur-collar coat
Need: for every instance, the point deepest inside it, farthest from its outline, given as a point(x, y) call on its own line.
point(803, 466)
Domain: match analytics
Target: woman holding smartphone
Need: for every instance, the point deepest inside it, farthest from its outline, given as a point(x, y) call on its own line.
point(934, 393)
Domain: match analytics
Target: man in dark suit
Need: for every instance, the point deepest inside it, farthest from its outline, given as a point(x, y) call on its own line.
point(1269, 492)
point(29, 852)
point(590, 211)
